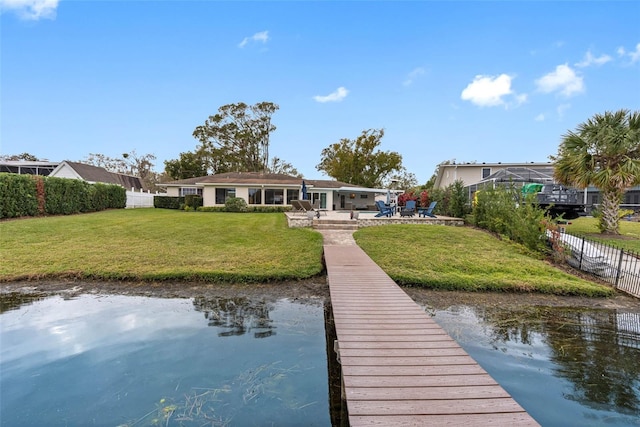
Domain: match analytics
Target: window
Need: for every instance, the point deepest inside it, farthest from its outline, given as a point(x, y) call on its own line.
point(364, 196)
point(292, 195)
point(255, 196)
point(594, 199)
point(319, 196)
point(190, 190)
point(273, 196)
point(486, 172)
point(222, 194)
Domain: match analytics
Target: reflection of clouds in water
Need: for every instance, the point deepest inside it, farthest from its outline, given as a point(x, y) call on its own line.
point(56, 328)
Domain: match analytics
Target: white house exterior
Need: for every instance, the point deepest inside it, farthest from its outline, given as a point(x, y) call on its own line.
point(266, 189)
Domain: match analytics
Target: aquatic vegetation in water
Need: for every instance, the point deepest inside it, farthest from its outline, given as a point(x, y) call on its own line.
point(213, 407)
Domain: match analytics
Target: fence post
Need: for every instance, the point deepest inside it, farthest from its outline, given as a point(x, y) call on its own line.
point(619, 268)
point(581, 253)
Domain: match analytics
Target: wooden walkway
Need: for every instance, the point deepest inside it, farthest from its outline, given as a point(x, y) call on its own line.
point(398, 366)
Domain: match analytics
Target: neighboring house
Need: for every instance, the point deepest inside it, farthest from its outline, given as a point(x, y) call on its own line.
point(24, 167)
point(93, 174)
point(268, 189)
point(476, 175)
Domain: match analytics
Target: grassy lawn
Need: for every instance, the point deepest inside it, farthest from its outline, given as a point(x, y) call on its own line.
point(463, 258)
point(159, 244)
point(629, 233)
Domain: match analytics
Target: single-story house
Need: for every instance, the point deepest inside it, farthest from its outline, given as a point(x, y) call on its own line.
point(269, 189)
point(93, 174)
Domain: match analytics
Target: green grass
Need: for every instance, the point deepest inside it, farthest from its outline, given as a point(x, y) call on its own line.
point(162, 245)
point(463, 258)
point(159, 244)
point(629, 238)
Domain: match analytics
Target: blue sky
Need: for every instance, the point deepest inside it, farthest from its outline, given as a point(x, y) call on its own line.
point(471, 81)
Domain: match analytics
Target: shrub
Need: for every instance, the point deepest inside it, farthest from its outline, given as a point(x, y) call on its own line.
point(235, 204)
point(106, 196)
point(168, 202)
point(18, 196)
point(458, 205)
point(193, 201)
point(503, 211)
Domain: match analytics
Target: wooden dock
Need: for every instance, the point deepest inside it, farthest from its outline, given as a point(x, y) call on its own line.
point(399, 368)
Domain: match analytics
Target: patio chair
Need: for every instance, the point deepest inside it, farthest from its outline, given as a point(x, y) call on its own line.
point(318, 209)
point(427, 212)
point(409, 208)
point(306, 205)
point(383, 210)
point(296, 207)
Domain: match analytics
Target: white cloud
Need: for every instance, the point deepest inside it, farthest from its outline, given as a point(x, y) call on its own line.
point(589, 60)
point(539, 118)
point(31, 10)
point(490, 91)
point(635, 55)
point(262, 36)
point(413, 75)
point(563, 80)
point(337, 96)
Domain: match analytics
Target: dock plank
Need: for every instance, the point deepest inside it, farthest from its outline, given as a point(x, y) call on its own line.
point(399, 367)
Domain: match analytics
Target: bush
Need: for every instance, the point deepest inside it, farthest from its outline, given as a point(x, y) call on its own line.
point(32, 195)
point(503, 211)
point(235, 204)
point(17, 196)
point(167, 202)
point(108, 196)
point(252, 209)
point(452, 201)
point(193, 201)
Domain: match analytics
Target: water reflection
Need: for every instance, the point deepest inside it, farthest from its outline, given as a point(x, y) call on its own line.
point(237, 316)
point(592, 356)
point(139, 361)
point(14, 300)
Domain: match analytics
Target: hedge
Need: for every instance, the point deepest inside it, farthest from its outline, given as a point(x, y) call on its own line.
point(168, 202)
point(17, 195)
point(32, 195)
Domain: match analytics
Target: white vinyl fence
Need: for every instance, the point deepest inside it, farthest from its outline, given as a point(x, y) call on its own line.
point(140, 199)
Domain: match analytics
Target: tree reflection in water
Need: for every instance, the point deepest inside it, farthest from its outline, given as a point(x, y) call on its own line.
point(237, 316)
point(596, 350)
point(15, 300)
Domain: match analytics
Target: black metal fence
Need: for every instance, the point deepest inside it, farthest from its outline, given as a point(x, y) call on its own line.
point(620, 267)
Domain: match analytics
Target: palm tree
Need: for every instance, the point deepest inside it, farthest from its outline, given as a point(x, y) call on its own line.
point(603, 152)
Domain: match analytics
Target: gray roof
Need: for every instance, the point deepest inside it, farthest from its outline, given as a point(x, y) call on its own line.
point(97, 174)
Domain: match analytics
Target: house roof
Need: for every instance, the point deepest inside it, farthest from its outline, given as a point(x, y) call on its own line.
point(92, 173)
point(522, 174)
point(531, 165)
point(256, 178)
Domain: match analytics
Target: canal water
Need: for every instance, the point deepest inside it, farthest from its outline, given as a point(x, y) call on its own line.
point(105, 360)
point(565, 366)
point(113, 360)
